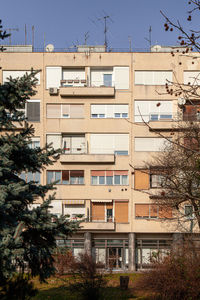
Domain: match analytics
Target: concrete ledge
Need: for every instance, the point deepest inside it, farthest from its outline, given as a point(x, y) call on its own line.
point(87, 158)
point(87, 91)
point(98, 226)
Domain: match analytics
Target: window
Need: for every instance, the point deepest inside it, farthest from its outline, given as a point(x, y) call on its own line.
point(152, 77)
point(151, 144)
point(101, 76)
point(153, 111)
point(109, 144)
point(191, 77)
point(104, 77)
point(73, 76)
point(29, 176)
point(109, 177)
point(71, 144)
point(74, 144)
point(65, 111)
point(35, 143)
point(191, 112)
point(152, 211)
point(156, 180)
point(33, 110)
point(66, 177)
point(16, 74)
point(75, 211)
point(189, 212)
point(109, 111)
point(107, 79)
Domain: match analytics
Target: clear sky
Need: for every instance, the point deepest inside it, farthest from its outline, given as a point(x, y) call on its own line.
point(65, 22)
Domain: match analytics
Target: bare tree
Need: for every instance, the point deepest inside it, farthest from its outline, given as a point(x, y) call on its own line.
point(178, 166)
point(177, 170)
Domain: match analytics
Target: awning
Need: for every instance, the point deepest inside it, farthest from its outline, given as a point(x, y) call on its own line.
point(100, 200)
point(121, 200)
point(73, 202)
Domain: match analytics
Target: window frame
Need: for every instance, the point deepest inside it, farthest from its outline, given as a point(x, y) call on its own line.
point(61, 177)
point(97, 179)
point(61, 110)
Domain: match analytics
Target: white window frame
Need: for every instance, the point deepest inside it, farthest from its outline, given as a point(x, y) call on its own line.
point(113, 179)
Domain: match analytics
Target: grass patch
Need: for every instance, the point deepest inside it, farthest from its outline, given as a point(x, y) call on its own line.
point(57, 288)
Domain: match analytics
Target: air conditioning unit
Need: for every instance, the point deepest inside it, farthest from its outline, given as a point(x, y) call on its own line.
point(53, 91)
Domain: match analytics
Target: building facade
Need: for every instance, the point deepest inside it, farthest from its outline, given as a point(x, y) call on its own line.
point(93, 106)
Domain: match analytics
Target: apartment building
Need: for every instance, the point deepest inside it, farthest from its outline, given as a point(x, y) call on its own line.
point(93, 106)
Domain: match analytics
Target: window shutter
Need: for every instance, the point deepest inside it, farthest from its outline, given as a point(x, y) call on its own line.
point(153, 211)
point(165, 212)
point(121, 212)
point(141, 180)
point(53, 77)
point(98, 211)
point(192, 77)
point(97, 173)
point(121, 77)
point(98, 109)
point(142, 210)
point(121, 142)
point(53, 111)
point(33, 111)
point(76, 111)
point(55, 139)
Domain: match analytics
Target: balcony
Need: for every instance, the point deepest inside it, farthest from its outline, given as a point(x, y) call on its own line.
point(158, 121)
point(87, 158)
point(98, 223)
point(84, 88)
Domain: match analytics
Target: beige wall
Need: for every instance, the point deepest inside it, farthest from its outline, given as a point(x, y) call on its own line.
point(135, 61)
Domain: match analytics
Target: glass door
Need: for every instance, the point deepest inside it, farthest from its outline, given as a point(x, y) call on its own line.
point(107, 79)
point(115, 258)
point(109, 214)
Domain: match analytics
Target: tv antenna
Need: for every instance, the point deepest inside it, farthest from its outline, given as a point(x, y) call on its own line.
point(86, 37)
point(130, 43)
point(105, 18)
point(9, 30)
point(149, 39)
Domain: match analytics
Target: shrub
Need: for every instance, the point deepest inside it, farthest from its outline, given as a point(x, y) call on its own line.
point(176, 277)
point(19, 288)
point(63, 260)
point(89, 280)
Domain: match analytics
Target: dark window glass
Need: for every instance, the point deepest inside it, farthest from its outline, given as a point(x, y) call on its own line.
point(33, 111)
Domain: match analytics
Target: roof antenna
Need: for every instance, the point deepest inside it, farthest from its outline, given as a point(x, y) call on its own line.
point(11, 29)
point(149, 39)
point(130, 43)
point(86, 36)
point(105, 30)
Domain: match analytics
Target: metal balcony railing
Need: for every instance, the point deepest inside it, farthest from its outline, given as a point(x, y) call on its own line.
point(78, 150)
point(85, 83)
point(155, 116)
point(100, 219)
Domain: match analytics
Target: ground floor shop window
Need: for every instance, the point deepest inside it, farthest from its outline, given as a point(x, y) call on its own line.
point(112, 253)
point(148, 251)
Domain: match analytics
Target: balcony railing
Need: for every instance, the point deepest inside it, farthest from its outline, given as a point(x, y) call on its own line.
point(154, 116)
point(78, 150)
point(85, 83)
point(100, 219)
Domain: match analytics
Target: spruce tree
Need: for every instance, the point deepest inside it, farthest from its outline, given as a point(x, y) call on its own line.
point(27, 236)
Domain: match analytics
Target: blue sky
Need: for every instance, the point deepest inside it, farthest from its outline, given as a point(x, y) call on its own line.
point(64, 23)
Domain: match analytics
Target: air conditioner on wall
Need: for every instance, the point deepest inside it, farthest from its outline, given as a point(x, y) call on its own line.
point(53, 91)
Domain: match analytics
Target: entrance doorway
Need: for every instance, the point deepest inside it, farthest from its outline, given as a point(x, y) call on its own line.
point(115, 258)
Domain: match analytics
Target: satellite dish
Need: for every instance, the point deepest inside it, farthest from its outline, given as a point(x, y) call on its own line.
point(156, 48)
point(181, 101)
point(49, 48)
